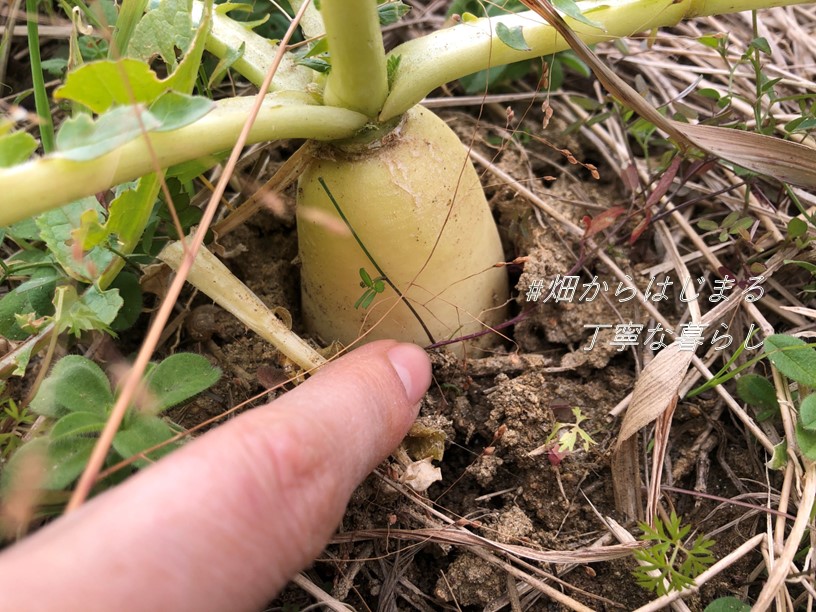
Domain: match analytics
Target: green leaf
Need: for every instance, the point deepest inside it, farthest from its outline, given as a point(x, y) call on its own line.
point(163, 30)
point(15, 148)
point(180, 377)
point(75, 384)
point(392, 65)
point(57, 231)
point(727, 604)
point(99, 85)
point(571, 9)
point(803, 264)
point(807, 412)
point(175, 110)
point(391, 12)
point(77, 424)
point(366, 278)
point(779, 458)
point(512, 37)
point(742, 224)
point(761, 43)
point(144, 432)
point(807, 441)
point(67, 458)
point(32, 296)
point(315, 63)
point(83, 139)
point(793, 357)
point(94, 309)
point(707, 225)
point(131, 293)
point(31, 453)
point(757, 391)
point(572, 61)
point(796, 228)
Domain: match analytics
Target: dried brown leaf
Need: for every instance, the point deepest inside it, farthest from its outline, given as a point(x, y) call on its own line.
point(656, 389)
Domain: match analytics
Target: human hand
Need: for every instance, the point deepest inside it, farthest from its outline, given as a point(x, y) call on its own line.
point(226, 521)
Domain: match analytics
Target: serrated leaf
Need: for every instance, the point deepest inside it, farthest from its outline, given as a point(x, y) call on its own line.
point(102, 84)
point(174, 110)
point(57, 231)
point(163, 30)
point(512, 37)
point(757, 391)
point(15, 148)
point(793, 357)
point(807, 412)
point(94, 309)
point(75, 384)
point(83, 139)
point(180, 377)
point(77, 424)
point(144, 432)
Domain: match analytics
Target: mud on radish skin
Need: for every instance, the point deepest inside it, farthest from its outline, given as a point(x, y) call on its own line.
point(411, 196)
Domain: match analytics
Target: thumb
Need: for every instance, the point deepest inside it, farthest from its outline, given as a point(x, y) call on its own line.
point(226, 521)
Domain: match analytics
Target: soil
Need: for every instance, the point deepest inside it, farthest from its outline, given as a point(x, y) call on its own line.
point(500, 477)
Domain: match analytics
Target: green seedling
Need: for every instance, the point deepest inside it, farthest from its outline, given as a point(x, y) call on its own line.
point(77, 398)
point(14, 422)
point(732, 225)
point(568, 435)
point(670, 563)
point(372, 288)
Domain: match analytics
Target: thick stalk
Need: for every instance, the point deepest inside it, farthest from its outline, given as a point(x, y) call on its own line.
point(51, 181)
point(358, 79)
point(431, 61)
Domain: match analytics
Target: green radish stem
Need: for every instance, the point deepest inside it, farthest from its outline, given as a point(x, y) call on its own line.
point(46, 183)
point(358, 79)
point(425, 64)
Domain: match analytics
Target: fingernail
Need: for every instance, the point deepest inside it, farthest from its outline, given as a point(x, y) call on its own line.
point(413, 368)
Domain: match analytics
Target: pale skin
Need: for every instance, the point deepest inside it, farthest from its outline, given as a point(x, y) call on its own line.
point(225, 522)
